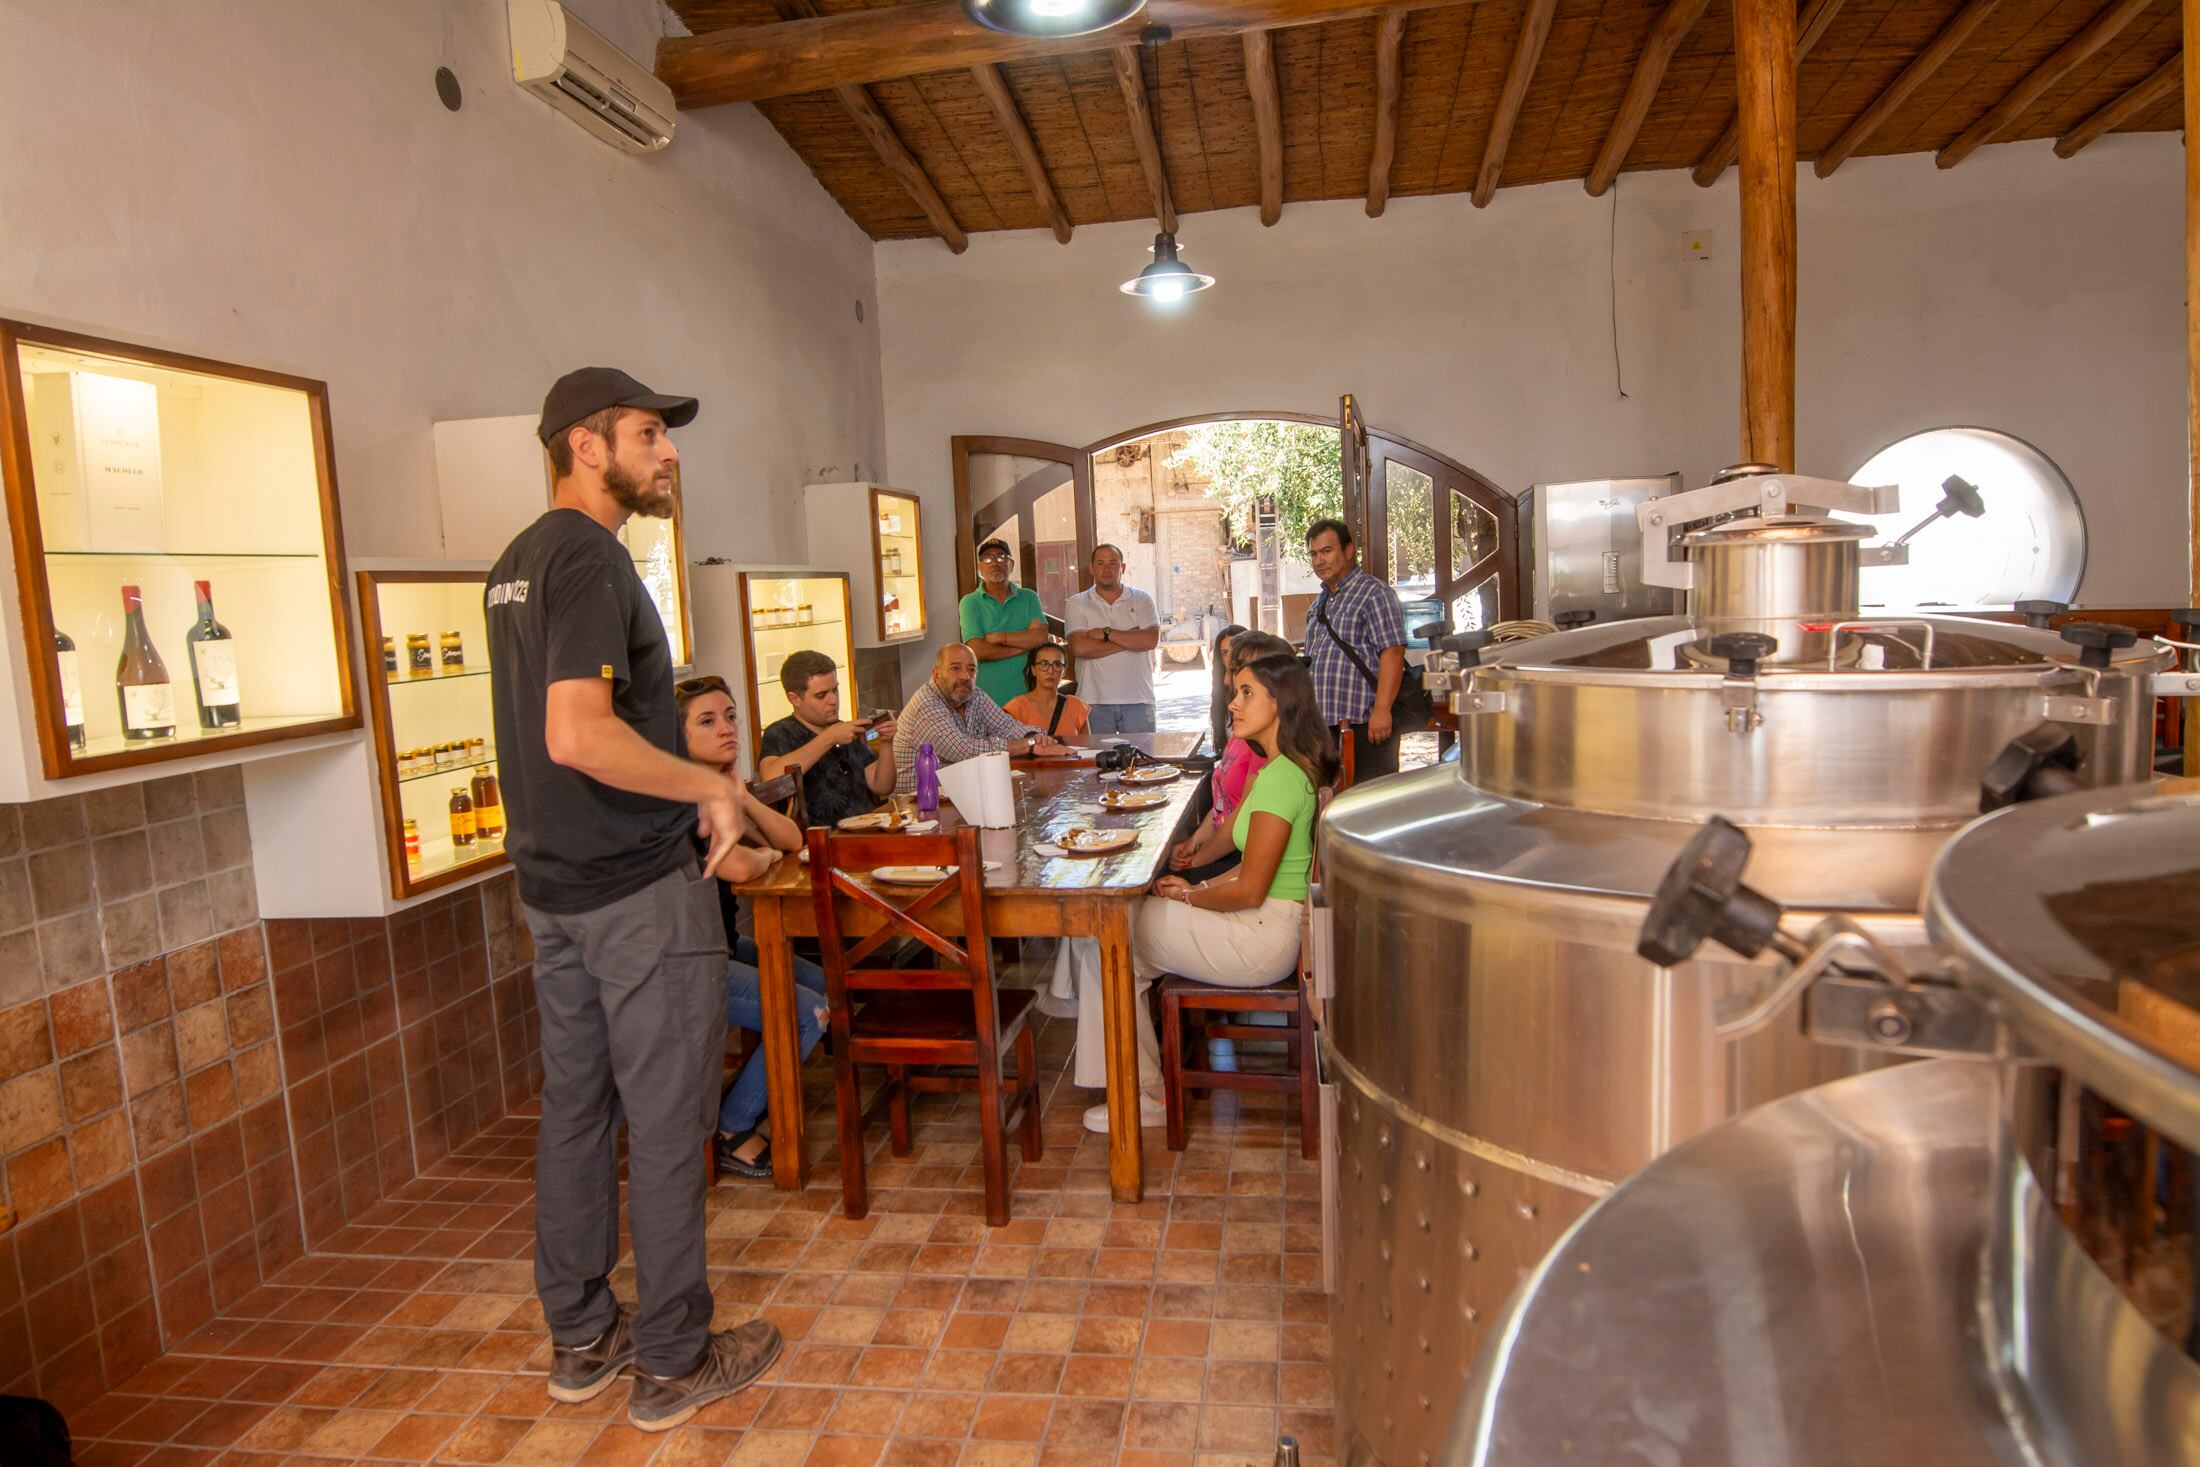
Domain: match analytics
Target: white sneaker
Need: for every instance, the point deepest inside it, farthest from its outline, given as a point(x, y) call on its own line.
point(1151, 1113)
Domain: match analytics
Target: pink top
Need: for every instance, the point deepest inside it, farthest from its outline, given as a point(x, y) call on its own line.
point(1240, 762)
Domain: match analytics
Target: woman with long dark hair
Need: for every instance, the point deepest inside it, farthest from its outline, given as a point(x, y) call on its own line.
point(1218, 660)
point(1240, 930)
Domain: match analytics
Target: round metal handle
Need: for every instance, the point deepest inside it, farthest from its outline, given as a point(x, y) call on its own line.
point(2041, 614)
point(2039, 762)
point(1962, 497)
point(2097, 641)
point(1742, 651)
point(1702, 896)
point(1429, 631)
point(1468, 645)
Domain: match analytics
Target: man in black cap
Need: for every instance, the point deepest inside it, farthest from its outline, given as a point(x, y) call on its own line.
point(630, 953)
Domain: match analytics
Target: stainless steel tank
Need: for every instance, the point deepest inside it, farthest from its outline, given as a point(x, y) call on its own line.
point(1501, 1057)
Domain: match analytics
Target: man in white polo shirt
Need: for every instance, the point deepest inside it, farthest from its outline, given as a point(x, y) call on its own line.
point(1112, 633)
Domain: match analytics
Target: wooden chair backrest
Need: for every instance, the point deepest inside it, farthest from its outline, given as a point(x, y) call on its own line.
point(1344, 758)
point(783, 794)
point(967, 959)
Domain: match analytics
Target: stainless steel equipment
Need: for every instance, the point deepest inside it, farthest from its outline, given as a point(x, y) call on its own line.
point(1500, 1054)
point(1872, 1271)
point(1583, 552)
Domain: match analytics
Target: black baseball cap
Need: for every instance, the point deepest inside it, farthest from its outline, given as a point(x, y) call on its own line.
point(589, 390)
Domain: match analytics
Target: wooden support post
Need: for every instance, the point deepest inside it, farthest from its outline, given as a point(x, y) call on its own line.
point(1260, 84)
point(1011, 117)
point(1390, 34)
point(2120, 111)
point(2192, 335)
point(1764, 67)
point(1816, 17)
point(1921, 67)
point(1130, 81)
point(1666, 34)
point(2073, 53)
point(1535, 29)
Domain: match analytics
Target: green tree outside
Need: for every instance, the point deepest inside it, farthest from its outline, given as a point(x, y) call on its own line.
point(1298, 464)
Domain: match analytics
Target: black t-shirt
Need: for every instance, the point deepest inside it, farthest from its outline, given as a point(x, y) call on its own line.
point(564, 602)
point(835, 786)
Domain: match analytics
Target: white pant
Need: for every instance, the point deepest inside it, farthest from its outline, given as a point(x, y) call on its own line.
point(1248, 949)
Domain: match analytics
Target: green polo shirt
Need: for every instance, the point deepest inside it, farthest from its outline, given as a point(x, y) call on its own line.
point(1002, 679)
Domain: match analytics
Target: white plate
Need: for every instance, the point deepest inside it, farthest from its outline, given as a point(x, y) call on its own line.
point(1098, 842)
point(1151, 774)
point(876, 820)
point(1133, 800)
point(920, 875)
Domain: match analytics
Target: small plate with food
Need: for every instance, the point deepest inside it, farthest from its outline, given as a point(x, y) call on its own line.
point(1095, 842)
point(1151, 774)
point(919, 875)
point(876, 820)
point(1125, 799)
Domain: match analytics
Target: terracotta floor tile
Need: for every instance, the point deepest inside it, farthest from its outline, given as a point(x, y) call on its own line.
point(1106, 1335)
point(998, 1454)
point(846, 1451)
point(221, 1424)
point(1008, 1418)
point(1178, 1337)
point(1138, 1457)
point(1086, 1423)
point(415, 1438)
point(1238, 1429)
point(1163, 1379)
point(484, 1439)
point(867, 1413)
point(939, 1414)
point(1096, 1375)
point(1028, 1375)
point(1035, 1332)
point(286, 1428)
point(553, 1444)
point(959, 1370)
point(844, 1326)
point(912, 1452)
point(695, 1446)
point(1170, 1426)
point(772, 1449)
point(1076, 1456)
point(976, 1331)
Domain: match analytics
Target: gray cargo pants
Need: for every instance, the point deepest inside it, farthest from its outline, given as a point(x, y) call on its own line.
point(633, 1004)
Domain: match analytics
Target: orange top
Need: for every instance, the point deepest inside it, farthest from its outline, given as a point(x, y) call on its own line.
point(1076, 714)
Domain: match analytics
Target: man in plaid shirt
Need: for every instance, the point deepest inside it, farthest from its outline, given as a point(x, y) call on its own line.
point(1362, 614)
point(953, 715)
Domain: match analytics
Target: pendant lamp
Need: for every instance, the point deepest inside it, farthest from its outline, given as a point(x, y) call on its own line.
point(1046, 18)
point(1167, 279)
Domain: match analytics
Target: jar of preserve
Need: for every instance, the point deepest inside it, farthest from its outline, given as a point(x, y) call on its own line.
point(419, 656)
point(488, 807)
point(412, 840)
point(389, 657)
point(477, 750)
point(462, 817)
point(452, 646)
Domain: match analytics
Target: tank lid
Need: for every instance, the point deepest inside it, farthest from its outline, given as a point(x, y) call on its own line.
point(2081, 915)
point(1779, 529)
point(1866, 645)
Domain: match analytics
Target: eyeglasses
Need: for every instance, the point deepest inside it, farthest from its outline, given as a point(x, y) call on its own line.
point(1054, 662)
point(993, 557)
point(695, 687)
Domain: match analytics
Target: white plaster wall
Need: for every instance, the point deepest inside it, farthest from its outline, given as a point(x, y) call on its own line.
point(274, 182)
point(2020, 291)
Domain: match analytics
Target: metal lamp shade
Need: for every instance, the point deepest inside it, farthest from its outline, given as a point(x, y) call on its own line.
point(1047, 18)
point(1167, 278)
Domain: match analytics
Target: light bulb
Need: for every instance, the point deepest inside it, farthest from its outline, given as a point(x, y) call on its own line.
point(1056, 9)
point(1168, 290)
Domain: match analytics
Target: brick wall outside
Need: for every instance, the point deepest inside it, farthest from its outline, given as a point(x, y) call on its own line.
point(191, 1098)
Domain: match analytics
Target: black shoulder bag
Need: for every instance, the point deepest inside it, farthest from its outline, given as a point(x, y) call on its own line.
point(1411, 709)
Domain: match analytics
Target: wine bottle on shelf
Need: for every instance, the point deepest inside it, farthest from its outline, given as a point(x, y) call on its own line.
point(213, 665)
point(72, 687)
point(141, 678)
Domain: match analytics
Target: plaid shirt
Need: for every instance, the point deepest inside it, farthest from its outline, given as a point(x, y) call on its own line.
point(953, 733)
point(1367, 615)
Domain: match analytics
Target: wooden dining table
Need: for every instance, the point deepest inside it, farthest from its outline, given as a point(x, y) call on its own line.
point(1029, 894)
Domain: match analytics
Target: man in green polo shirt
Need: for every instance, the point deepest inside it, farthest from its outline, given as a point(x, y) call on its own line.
point(1002, 622)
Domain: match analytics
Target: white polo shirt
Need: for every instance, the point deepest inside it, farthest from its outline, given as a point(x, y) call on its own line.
point(1119, 677)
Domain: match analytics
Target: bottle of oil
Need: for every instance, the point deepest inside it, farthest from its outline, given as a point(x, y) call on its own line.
point(462, 817)
point(488, 807)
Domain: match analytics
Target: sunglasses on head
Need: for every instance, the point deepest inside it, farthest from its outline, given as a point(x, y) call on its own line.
point(696, 686)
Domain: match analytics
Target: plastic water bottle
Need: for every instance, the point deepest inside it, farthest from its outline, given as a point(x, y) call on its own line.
point(928, 782)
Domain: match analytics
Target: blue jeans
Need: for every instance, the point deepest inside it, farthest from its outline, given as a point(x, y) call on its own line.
point(1121, 718)
point(744, 1104)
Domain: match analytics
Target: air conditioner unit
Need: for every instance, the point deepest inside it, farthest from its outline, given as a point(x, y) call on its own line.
point(587, 78)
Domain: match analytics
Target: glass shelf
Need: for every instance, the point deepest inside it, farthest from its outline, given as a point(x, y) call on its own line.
point(438, 857)
point(192, 557)
point(466, 768)
point(432, 678)
point(194, 737)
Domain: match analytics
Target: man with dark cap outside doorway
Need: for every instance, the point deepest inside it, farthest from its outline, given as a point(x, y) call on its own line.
point(630, 953)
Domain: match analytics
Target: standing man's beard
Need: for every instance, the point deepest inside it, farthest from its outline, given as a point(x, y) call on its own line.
point(637, 496)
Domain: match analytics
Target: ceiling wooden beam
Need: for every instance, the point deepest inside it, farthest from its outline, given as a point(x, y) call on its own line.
point(1666, 33)
point(1764, 70)
point(1817, 15)
point(1260, 84)
point(2072, 54)
point(2154, 89)
point(753, 63)
point(1535, 29)
point(1390, 35)
point(1011, 117)
point(863, 110)
point(1916, 74)
point(1130, 80)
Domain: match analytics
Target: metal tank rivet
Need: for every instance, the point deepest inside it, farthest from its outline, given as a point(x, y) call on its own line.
point(1467, 1249)
point(1526, 1209)
point(1424, 1403)
point(1468, 1187)
point(1386, 1320)
point(1424, 1283)
point(1382, 1135)
point(1421, 1222)
point(1383, 1193)
point(1425, 1346)
point(1386, 1252)
point(1390, 1372)
point(1356, 1172)
point(1470, 1312)
point(1420, 1163)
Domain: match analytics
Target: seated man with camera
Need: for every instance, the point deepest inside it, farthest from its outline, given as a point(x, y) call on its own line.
point(847, 766)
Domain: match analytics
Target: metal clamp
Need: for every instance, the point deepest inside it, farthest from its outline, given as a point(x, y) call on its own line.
point(1873, 624)
point(2177, 684)
point(1762, 494)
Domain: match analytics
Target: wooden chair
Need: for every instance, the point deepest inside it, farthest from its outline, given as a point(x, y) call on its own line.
point(1344, 758)
point(921, 1020)
point(1185, 1004)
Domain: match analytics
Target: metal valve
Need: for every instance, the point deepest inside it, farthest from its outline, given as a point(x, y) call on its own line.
point(1431, 631)
point(2039, 762)
point(1860, 993)
point(1962, 497)
point(1467, 646)
point(2097, 642)
point(1742, 651)
point(2041, 614)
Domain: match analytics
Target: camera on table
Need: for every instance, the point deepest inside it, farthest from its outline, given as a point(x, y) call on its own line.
point(1117, 760)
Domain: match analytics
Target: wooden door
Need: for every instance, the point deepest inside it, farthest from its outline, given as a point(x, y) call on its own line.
point(1445, 538)
point(1035, 495)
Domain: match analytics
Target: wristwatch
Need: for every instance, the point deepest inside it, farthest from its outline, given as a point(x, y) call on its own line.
point(1107, 634)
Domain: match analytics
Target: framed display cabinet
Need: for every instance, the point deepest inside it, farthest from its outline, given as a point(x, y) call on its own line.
point(875, 533)
point(769, 613)
point(144, 486)
point(657, 547)
point(433, 733)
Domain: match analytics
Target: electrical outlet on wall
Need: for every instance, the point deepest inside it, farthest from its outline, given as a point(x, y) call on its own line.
point(1696, 244)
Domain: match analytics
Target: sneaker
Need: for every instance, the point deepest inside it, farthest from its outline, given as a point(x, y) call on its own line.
point(1222, 1056)
point(731, 1359)
point(1151, 1113)
point(757, 1168)
point(584, 1372)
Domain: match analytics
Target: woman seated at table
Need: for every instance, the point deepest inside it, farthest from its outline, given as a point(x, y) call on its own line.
point(1240, 930)
point(712, 730)
point(1208, 851)
point(1044, 706)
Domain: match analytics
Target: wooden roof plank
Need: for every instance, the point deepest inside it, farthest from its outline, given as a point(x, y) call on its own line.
point(2113, 18)
point(2161, 84)
point(1535, 29)
point(1673, 24)
point(1003, 102)
point(1913, 76)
